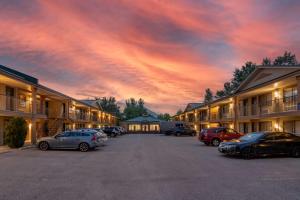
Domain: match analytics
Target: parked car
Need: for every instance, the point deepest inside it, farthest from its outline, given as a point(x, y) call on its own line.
point(102, 135)
point(82, 140)
point(167, 127)
point(121, 129)
point(182, 130)
point(215, 136)
point(111, 131)
point(263, 143)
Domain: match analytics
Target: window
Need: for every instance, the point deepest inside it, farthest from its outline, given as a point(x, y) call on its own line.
point(265, 126)
point(22, 100)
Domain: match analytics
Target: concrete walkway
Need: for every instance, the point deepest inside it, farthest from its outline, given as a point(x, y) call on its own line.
point(4, 149)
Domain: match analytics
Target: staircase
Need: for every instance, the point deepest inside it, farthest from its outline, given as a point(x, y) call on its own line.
point(55, 126)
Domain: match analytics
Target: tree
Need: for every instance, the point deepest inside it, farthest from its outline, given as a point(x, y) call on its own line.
point(266, 62)
point(239, 75)
point(179, 112)
point(134, 108)
point(15, 132)
point(287, 59)
point(208, 97)
point(165, 116)
point(109, 104)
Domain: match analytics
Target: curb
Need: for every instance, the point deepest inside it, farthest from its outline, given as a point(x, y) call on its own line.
point(27, 147)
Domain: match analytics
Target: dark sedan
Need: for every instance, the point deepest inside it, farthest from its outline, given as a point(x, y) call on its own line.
point(263, 143)
point(179, 131)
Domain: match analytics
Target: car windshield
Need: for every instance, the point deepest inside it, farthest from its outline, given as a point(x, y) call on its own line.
point(251, 137)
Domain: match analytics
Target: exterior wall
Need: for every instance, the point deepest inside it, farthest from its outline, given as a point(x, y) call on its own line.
point(45, 111)
point(272, 107)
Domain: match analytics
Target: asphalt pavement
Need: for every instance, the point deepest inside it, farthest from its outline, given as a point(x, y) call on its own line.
point(146, 167)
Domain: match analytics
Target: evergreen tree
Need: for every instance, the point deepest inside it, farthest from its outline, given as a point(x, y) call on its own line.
point(165, 116)
point(287, 59)
point(134, 108)
point(266, 62)
point(109, 104)
point(208, 97)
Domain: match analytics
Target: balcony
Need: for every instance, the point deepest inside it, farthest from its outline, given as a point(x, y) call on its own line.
point(227, 115)
point(81, 116)
point(243, 111)
point(274, 106)
point(214, 116)
point(94, 118)
point(203, 118)
point(9, 103)
point(279, 105)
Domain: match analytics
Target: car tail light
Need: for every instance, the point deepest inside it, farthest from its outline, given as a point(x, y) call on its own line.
point(94, 138)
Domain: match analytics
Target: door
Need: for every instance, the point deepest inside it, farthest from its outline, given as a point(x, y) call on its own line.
point(266, 145)
point(64, 140)
point(283, 143)
point(10, 93)
point(232, 134)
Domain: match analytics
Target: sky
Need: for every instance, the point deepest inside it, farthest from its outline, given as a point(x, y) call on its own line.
point(164, 51)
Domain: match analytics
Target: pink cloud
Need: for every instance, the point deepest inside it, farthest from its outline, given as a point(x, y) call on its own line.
point(165, 53)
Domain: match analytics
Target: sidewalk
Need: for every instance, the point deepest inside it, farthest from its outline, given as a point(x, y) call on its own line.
point(4, 149)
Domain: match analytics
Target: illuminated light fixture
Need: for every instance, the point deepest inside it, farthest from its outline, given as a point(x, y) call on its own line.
point(30, 99)
point(276, 126)
point(29, 125)
point(208, 126)
point(275, 84)
point(276, 94)
point(231, 126)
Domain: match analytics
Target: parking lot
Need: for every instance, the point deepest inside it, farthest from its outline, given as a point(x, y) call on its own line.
point(141, 166)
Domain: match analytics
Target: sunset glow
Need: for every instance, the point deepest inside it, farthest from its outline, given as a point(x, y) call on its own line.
point(166, 52)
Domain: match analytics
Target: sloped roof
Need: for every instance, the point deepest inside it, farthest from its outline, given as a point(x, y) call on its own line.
point(144, 119)
point(265, 74)
point(19, 74)
point(93, 103)
point(192, 106)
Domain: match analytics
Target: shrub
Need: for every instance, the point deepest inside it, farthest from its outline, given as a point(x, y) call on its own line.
point(15, 132)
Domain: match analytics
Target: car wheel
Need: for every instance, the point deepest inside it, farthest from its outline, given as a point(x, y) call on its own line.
point(83, 147)
point(215, 142)
point(177, 134)
point(247, 153)
point(296, 152)
point(44, 146)
point(206, 143)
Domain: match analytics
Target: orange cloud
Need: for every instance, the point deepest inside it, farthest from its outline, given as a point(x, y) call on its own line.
point(165, 53)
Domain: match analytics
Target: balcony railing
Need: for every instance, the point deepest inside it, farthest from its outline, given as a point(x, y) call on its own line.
point(244, 111)
point(9, 103)
point(227, 115)
point(81, 116)
point(203, 118)
point(94, 118)
point(279, 105)
point(274, 106)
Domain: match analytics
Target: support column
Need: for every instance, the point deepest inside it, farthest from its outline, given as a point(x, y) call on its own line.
point(235, 111)
point(33, 120)
point(298, 89)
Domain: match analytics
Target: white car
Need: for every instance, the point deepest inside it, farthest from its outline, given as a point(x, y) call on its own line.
point(103, 136)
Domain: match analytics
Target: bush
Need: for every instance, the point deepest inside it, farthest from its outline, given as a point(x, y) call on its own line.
point(15, 132)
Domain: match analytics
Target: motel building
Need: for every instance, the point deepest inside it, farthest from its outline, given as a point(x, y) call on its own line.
point(142, 124)
point(267, 100)
point(46, 111)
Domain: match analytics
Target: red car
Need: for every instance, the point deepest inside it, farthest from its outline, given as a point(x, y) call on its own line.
point(215, 136)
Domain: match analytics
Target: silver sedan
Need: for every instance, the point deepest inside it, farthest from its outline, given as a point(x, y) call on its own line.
point(82, 140)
